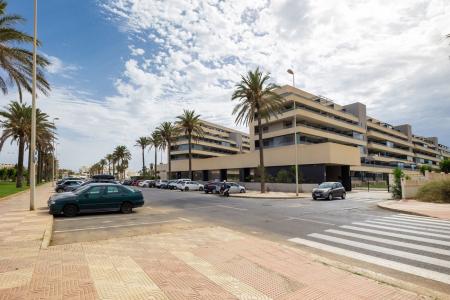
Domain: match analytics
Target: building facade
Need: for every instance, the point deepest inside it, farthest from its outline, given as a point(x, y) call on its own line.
point(334, 143)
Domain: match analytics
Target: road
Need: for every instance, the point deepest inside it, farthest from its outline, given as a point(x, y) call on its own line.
point(354, 231)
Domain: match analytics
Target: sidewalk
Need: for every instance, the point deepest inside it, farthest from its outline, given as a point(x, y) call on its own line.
point(436, 210)
point(200, 263)
point(271, 195)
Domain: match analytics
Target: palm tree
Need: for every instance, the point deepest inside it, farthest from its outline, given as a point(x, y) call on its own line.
point(109, 158)
point(102, 163)
point(257, 99)
point(143, 142)
point(168, 133)
point(190, 124)
point(16, 62)
point(123, 155)
point(155, 141)
point(15, 125)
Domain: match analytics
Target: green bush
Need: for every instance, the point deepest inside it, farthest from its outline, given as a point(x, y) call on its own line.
point(396, 188)
point(435, 191)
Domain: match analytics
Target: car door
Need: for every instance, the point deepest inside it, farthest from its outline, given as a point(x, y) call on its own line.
point(194, 186)
point(113, 197)
point(91, 199)
point(341, 189)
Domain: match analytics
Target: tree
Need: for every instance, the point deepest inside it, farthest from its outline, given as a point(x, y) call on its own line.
point(123, 155)
point(15, 124)
point(191, 125)
point(397, 186)
point(156, 142)
point(109, 158)
point(143, 142)
point(168, 133)
point(102, 163)
point(16, 62)
point(257, 99)
point(445, 165)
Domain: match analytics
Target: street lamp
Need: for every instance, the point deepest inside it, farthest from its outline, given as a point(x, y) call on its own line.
point(33, 118)
point(54, 155)
point(295, 136)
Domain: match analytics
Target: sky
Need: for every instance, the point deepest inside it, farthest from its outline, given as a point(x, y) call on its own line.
point(121, 67)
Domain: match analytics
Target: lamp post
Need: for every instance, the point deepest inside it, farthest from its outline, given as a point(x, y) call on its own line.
point(295, 136)
point(54, 156)
point(33, 118)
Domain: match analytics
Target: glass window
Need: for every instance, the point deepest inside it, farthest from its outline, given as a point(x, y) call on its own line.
point(95, 190)
point(112, 190)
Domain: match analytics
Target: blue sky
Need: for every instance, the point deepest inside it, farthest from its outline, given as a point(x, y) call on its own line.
point(121, 67)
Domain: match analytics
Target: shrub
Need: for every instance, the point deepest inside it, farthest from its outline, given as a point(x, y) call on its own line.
point(397, 187)
point(435, 191)
point(445, 165)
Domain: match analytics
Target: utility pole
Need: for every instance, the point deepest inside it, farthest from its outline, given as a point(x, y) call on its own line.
point(295, 136)
point(32, 170)
point(54, 156)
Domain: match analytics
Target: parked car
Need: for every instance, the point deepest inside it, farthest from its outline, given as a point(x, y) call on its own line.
point(141, 183)
point(191, 186)
point(65, 184)
point(96, 197)
point(228, 188)
point(164, 184)
point(148, 183)
point(159, 182)
point(329, 190)
point(179, 183)
point(212, 187)
point(126, 182)
point(172, 185)
point(68, 178)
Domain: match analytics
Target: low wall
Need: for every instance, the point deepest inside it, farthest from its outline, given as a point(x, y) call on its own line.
point(411, 186)
point(279, 187)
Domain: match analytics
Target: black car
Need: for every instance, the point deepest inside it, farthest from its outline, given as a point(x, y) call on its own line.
point(329, 190)
point(68, 185)
point(212, 187)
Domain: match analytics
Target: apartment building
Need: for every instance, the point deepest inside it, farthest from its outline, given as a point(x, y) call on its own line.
point(334, 143)
point(216, 141)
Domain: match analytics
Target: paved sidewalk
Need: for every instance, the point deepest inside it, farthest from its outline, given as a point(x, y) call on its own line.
point(271, 195)
point(436, 210)
point(200, 263)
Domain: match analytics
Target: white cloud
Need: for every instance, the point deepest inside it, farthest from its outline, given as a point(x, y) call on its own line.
point(57, 67)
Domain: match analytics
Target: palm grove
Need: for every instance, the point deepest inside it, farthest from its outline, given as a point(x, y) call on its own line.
point(16, 63)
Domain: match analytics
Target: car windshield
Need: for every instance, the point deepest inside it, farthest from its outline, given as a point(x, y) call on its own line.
point(128, 188)
point(326, 185)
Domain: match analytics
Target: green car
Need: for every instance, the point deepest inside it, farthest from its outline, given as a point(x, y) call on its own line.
point(96, 197)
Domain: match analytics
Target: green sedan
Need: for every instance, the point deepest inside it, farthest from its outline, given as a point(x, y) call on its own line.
point(96, 197)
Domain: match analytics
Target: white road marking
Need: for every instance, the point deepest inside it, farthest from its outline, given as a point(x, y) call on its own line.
point(394, 225)
point(185, 219)
point(309, 220)
point(89, 218)
point(404, 230)
point(437, 276)
point(397, 221)
point(112, 226)
point(424, 220)
point(231, 207)
point(391, 242)
point(398, 235)
point(384, 250)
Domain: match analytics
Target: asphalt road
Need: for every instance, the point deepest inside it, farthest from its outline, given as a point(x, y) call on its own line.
point(354, 230)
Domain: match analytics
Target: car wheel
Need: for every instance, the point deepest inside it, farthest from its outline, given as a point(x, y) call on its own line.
point(343, 195)
point(242, 191)
point(59, 190)
point(186, 189)
point(206, 192)
point(126, 208)
point(70, 210)
point(200, 189)
point(314, 197)
point(330, 196)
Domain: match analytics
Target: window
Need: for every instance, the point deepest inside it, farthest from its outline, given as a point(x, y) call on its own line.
point(112, 190)
point(96, 190)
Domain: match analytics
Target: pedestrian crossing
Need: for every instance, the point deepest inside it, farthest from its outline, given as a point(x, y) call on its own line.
point(411, 244)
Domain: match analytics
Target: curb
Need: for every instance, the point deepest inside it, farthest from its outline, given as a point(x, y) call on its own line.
point(398, 283)
point(381, 205)
point(14, 195)
point(47, 235)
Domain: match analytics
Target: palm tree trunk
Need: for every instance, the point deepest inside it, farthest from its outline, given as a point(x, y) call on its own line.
point(261, 155)
point(169, 161)
point(143, 162)
point(190, 155)
point(29, 165)
point(19, 179)
point(114, 169)
point(156, 163)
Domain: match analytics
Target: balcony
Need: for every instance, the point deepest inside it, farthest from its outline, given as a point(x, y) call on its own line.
point(429, 150)
point(372, 145)
point(379, 135)
point(419, 155)
point(387, 130)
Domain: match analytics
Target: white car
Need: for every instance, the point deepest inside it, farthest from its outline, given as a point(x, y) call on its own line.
point(141, 183)
point(146, 183)
point(191, 186)
point(233, 188)
point(179, 183)
point(159, 182)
